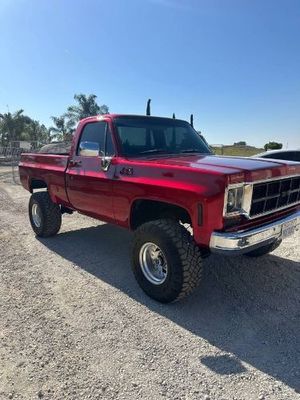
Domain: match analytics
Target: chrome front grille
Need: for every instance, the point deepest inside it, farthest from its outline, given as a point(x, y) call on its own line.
point(274, 195)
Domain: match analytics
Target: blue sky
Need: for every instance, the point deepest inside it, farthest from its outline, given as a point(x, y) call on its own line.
point(235, 64)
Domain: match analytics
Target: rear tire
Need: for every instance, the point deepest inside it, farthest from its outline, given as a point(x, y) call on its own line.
point(166, 261)
point(261, 251)
point(44, 215)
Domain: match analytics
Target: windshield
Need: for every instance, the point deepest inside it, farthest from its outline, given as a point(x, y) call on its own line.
point(146, 135)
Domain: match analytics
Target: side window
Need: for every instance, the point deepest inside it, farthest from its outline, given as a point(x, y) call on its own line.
point(94, 132)
point(289, 155)
point(282, 156)
point(273, 155)
point(292, 156)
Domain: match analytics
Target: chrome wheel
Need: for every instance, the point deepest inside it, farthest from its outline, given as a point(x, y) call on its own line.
point(153, 263)
point(36, 215)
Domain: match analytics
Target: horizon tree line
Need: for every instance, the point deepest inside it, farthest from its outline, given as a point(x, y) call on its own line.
point(18, 126)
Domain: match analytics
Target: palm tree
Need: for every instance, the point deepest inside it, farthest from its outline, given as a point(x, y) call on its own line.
point(63, 128)
point(12, 126)
point(37, 133)
point(86, 107)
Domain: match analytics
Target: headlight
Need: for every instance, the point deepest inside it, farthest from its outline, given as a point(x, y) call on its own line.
point(235, 200)
point(238, 200)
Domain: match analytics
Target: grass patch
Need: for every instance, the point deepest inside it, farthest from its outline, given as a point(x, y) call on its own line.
point(245, 151)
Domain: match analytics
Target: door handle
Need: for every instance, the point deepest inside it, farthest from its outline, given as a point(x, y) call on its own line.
point(75, 163)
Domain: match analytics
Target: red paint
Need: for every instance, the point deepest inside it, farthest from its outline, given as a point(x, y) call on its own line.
point(183, 180)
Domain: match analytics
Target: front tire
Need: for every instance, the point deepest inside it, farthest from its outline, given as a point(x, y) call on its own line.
point(44, 215)
point(166, 261)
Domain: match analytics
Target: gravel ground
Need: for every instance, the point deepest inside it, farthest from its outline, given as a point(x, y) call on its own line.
point(75, 325)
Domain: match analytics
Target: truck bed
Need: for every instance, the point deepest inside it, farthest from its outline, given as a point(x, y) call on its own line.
point(36, 168)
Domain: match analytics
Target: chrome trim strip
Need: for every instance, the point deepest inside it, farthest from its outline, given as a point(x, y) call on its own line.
point(247, 199)
point(243, 241)
point(276, 210)
point(277, 178)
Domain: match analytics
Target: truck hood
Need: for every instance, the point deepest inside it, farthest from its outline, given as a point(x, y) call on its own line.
point(238, 169)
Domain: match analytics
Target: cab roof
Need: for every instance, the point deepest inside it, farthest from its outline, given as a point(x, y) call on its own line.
point(132, 116)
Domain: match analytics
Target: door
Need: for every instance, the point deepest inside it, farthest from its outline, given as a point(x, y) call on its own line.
point(89, 184)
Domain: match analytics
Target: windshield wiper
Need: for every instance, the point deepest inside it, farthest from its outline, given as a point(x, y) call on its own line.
point(190, 151)
point(152, 151)
point(164, 151)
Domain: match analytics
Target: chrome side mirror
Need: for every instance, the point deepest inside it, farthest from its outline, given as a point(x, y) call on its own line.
point(89, 149)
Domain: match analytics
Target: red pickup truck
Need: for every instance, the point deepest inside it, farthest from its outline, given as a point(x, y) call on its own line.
point(158, 177)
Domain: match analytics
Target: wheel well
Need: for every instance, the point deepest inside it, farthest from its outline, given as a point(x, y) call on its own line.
point(37, 184)
point(148, 210)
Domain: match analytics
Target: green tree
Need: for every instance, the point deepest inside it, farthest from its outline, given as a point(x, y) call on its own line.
point(86, 107)
point(12, 126)
point(273, 146)
point(63, 128)
point(36, 132)
point(241, 143)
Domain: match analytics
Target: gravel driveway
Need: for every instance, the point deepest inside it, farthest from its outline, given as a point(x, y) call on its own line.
point(75, 325)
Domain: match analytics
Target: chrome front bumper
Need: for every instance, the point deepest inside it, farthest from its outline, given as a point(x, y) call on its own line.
point(244, 241)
